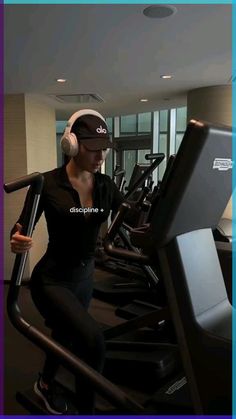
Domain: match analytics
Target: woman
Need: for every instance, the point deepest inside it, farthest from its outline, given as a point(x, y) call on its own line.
point(76, 200)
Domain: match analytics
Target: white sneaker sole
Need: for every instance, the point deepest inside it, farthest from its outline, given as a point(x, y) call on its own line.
point(49, 408)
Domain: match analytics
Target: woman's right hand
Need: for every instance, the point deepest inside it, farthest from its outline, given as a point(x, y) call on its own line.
point(20, 243)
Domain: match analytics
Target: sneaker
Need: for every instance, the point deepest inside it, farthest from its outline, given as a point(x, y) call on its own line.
point(55, 404)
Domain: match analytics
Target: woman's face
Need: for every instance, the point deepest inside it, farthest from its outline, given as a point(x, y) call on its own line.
point(90, 161)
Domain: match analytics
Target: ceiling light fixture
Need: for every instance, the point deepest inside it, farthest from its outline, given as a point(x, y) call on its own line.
point(166, 76)
point(159, 11)
point(143, 100)
point(61, 80)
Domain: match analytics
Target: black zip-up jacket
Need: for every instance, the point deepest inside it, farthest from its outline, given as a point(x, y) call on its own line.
point(72, 236)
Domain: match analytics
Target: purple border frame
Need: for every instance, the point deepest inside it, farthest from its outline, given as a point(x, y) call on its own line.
point(2, 255)
point(1, 210)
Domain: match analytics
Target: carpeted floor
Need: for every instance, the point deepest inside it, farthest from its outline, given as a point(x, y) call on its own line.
point(23, 360)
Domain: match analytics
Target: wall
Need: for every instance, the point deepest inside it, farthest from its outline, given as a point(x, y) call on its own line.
point(29, 146)
point(41, 157)
point(15, 163)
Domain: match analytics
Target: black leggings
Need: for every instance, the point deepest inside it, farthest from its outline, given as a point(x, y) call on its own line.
point(64, 305)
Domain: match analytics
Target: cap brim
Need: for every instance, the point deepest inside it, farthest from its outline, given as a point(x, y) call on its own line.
point(94, 144)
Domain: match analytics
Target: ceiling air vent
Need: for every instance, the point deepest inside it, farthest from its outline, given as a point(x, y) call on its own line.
point(79, 98)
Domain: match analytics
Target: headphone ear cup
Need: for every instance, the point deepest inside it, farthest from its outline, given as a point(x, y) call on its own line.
point(69, 145)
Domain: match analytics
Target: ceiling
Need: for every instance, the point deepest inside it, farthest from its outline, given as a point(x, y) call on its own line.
point(116, 52)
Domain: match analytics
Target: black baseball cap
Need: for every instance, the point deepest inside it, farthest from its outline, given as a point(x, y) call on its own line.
point(92, 132)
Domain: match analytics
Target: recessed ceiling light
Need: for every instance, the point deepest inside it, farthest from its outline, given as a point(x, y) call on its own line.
point(143, 100)
point(166, 76)
point(61, 80)
point(159, 11)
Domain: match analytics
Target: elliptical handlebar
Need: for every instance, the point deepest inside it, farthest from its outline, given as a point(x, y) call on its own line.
point(34, 179)
point(158, 159)
point(152, 156)
point(113, 230)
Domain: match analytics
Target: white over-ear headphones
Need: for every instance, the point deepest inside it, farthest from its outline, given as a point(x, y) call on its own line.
point(69, 142)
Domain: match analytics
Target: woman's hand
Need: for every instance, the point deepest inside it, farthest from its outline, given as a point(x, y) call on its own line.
point(20, 243)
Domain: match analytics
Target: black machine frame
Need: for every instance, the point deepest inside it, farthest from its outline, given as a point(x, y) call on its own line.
point(196, 194)
point(180, 240)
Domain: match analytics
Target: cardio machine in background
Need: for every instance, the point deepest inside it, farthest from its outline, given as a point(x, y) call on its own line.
point(129, 280)
point(118, 177)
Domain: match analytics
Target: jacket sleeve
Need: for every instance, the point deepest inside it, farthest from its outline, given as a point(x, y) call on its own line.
point(27, 209)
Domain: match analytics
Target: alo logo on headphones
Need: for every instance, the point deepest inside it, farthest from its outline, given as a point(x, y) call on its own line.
point(101, 130)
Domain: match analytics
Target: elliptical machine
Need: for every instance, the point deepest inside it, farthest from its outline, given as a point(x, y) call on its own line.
point(180, 241)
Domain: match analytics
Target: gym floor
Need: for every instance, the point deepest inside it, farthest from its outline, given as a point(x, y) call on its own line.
point(23, 360)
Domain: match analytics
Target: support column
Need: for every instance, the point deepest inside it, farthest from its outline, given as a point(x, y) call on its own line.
point(212, 104)
point(29, 146)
